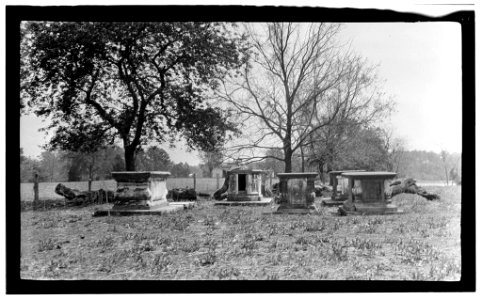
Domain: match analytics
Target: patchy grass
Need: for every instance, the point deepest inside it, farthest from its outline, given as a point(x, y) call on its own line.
point(210, 242)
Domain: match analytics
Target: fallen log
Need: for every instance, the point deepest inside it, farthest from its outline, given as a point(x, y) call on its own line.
point(75, 197)
point(179, 194)
point(409, 186)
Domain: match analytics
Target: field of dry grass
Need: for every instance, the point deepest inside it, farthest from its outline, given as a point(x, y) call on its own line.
point(210, 242)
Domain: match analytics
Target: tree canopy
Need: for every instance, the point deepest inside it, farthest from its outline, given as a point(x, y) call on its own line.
point(130, 82)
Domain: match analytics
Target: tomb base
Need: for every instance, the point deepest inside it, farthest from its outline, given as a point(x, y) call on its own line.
point(129, 212)
point(289, 210)
point(185, 204)
point(243, 197)
point(331, 202)
point(368, 209)
point(261, 202)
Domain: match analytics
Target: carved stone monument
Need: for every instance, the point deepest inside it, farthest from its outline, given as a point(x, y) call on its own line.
point(366, 193)
point(246, 187)
point(140, 193)
point(297, 193)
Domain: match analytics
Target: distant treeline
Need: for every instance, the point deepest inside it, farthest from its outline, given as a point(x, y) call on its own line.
point(55, 166)
point(427, 165)
point(420, 165)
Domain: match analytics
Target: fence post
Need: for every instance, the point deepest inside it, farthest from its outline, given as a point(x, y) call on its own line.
point(35, 190)
point(89, 189)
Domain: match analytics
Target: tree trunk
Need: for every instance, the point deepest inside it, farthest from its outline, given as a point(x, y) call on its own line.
point(302, 160)
point(130, 158)
point(89, 189)
point(91, 173)
point(446, 175)
point(287, 161)
point(328, 170)
point(288, 152)
point(320, 171)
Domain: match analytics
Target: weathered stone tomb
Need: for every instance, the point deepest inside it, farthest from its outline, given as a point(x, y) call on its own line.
point(246, 187)
point(366, 193)
point(296, 193)
point(140, 193)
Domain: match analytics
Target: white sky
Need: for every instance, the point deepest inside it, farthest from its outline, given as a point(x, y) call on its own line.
point(422, 68)
point(420, 64)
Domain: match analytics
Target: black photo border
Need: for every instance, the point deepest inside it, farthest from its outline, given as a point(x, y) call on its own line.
point(16, 14)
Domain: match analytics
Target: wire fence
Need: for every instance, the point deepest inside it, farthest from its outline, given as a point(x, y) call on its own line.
point(47, 189)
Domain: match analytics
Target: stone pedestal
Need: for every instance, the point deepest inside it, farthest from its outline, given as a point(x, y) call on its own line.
point(366, 193)
point(297, 193)
point(246, 187)
point(140, 193)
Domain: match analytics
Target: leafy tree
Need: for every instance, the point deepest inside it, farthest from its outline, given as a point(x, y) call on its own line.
point(212, 159)
point(75, 168)
point(27, 168)
point(118, 164)
point(154, 159)
point(51, 166)
point(132, 82)
point(366, 151)
point(180, 170)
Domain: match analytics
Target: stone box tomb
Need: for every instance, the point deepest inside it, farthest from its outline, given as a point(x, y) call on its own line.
point(296, 192)
point(246, 187)
point(366, 193)
point(140, 193)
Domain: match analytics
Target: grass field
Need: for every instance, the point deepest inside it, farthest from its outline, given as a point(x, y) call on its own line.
point(210, 242)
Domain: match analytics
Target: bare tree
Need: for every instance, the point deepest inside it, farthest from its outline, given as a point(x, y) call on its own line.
point(395, 149)
point(450, 163)
point(357, 103)
point(444, 155)
point(299, 89)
